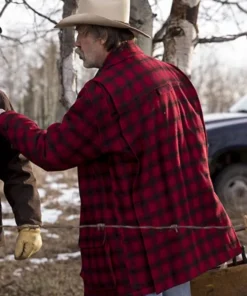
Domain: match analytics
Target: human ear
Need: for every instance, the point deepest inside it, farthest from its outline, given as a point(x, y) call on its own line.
point(102, 41)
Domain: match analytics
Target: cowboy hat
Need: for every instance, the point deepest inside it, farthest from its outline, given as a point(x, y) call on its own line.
point(108, 13)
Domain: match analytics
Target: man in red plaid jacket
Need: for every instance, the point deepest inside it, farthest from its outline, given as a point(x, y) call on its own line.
point(137, 136)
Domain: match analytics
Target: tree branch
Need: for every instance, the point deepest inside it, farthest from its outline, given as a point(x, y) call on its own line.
point(3, 56)
point(38, 13)
point(227, 2)
point(18, 40)
point(159, 34)
point(7, 2)
point(11, 39)
point(220, 39)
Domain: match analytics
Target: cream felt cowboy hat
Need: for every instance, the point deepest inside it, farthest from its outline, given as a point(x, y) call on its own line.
point(108, 13)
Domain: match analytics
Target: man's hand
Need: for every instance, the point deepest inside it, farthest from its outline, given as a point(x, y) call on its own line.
point(28, 242)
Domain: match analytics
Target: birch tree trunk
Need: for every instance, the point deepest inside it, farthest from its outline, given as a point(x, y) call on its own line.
point(141, 17)
point(66, 69)
point(181, 34)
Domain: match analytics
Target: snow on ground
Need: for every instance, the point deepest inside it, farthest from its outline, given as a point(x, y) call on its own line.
point(9, 222)
point(6, 208)
point(60, 257)
point(72, 217)
point(53, 178)
point(50, 215)
point(69, 196)
point(7, 232)
point(67, 256)
point(42, 192)
point(57, 186)
point(52, 235)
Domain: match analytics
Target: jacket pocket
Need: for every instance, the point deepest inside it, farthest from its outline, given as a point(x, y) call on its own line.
point(97, 270)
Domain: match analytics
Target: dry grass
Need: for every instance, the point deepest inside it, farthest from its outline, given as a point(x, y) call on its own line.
point(57, 278)
point(49, 279)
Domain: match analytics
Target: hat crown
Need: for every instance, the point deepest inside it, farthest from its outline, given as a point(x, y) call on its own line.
point(118, 10)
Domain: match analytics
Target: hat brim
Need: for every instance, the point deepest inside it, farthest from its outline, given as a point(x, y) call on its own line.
point(89, 19)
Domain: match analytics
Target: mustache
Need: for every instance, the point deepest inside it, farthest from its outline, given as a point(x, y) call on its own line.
point(79, 52)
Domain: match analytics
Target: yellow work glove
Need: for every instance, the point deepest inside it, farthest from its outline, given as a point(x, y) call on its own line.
point(28, 242)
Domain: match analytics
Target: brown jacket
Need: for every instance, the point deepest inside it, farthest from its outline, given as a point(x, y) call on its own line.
point(19, 182)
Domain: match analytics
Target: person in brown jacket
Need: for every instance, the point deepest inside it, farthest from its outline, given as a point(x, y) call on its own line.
point(21, 193)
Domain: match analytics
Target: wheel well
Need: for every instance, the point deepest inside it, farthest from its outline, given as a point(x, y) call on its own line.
point(225, 159)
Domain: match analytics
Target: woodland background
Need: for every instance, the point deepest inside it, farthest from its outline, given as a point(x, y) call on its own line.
point(42, 75)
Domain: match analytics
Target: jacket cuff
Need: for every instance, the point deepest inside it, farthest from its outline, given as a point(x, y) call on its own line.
point(29, 226)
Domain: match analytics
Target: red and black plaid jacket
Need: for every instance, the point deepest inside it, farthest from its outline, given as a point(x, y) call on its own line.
point(136, 134)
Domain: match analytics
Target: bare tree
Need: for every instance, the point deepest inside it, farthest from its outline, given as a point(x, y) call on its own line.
point(41, 91)
point(66, 69)
point(178, 34)
point(218, 86)
point(4, 7)
point(42, 23)
point(141, 17)
point(181, 34)
point(220, 11)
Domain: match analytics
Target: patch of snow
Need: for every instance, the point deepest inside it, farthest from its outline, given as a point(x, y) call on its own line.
point(7, 232)
point(70, 196)
point(6, 208)
point(42, 192)
point(57, 186)
point(66, 256)
point(10, 222)
point(50, 215)
point(8, 258)
point(52, 178)
point(60, 257)
point(40, 260)
point(52, 235)
point(42, 230)
point(72, 217)
point(17, 272)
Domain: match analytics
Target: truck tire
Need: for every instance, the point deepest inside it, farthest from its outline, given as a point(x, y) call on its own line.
point(231, 187)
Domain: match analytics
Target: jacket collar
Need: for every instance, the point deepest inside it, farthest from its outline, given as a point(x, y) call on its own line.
point(124, 51)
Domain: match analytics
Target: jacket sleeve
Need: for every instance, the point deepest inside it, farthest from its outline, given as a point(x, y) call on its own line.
point(20, 190)
point(19, 182)
point(63, 145)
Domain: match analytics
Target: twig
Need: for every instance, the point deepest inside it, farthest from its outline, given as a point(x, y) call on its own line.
point(11, 38)
point(226, 2)
point(7, 2)
point(4, 57)
point(220, 39)
point(18, 40)
point(38, 13)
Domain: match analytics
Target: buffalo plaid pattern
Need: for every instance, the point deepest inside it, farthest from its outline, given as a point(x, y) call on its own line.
point(137, 136)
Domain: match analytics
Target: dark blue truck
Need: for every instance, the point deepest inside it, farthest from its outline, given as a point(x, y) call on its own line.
point(227, 149)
